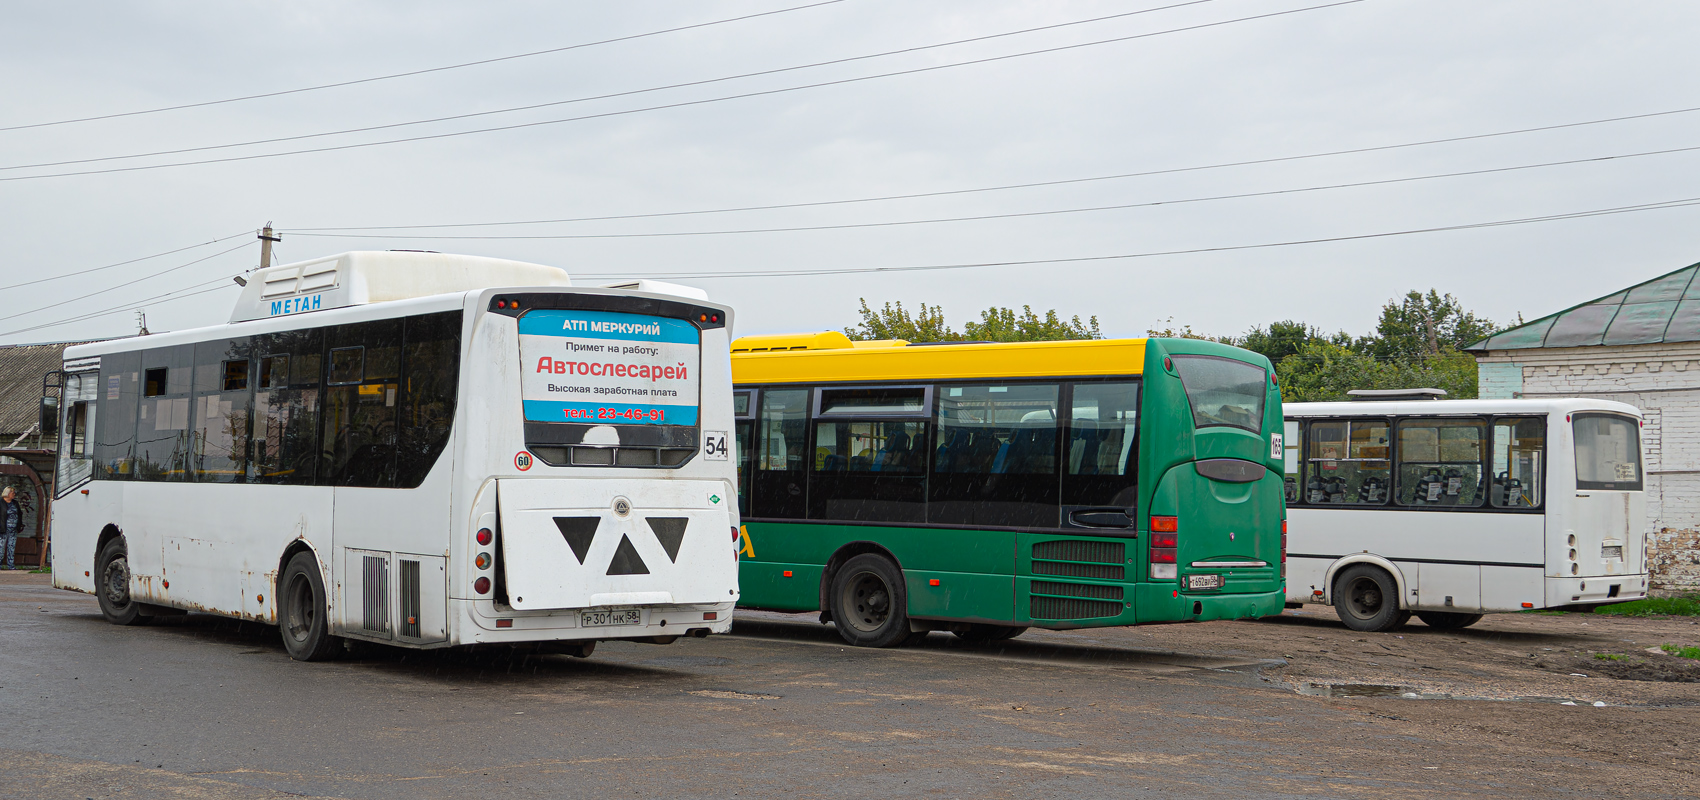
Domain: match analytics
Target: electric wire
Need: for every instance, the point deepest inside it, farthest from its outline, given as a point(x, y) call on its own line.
point(535, 106)
point(1664, 204)
point(1011, 215)
point(121, 263)
point(1006, 187)
point(419, 71)
point(149, 276)
point(681, 104)
point(127, 306)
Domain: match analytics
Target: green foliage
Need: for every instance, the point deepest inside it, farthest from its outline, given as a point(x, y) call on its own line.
point(1323, 370)
point(1424, 325)
point(1169, 331)
point(1611, 656)
point(1687, 606)
point(893, 321)
point(1002, 325)
point(1681, 651)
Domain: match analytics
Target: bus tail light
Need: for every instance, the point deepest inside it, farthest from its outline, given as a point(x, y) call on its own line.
point(1283, 549)
point(1165, 541)
point(481, 586)
point(485, 536)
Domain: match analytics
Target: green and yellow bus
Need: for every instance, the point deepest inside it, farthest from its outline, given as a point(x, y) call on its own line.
point(984, 488)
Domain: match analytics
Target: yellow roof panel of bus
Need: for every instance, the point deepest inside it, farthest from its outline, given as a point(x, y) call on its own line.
point(940, 362)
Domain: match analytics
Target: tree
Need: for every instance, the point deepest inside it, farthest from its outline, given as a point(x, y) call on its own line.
point(1284, 338)
point(1169, 331)
point(1002, 325)
point(893, 321)
point(897, 323)
point(1324, 370)
point(1420, 325)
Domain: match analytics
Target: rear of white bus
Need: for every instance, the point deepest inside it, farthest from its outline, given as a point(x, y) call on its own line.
point(600, 499)
point(1596, 519)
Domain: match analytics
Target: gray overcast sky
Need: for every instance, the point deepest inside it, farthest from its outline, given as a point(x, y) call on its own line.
point(1360, 75)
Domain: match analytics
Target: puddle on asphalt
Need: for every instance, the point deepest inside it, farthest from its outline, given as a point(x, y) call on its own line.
point(1339, 690)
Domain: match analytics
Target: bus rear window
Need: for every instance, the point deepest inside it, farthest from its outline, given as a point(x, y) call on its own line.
point(1608, 452)
point(1222, 391)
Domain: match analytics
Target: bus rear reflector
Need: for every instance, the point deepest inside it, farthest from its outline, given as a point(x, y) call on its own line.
point(504, 623)
point(710, 616)
point(1528, 605)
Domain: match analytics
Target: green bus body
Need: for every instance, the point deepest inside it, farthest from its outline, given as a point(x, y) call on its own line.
point(1090, 577)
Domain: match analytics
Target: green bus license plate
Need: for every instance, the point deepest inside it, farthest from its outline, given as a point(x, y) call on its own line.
point(597, 619)
point(1203, 581)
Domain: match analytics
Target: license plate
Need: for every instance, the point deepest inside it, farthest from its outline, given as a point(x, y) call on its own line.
point(1612, 551)
point(1203, 581)
point(598, 619)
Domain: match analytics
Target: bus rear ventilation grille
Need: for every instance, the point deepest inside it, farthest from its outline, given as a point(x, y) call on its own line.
point(1103, 572)
point(1088, 590)
point(1075, 550)
point(612, 456)
point(1060, 608)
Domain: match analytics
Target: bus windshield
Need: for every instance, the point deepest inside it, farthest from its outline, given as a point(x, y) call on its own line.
point(1608, 452)
point(1222, 391)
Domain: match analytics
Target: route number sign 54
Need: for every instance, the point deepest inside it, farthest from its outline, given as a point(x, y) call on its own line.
point(715, 445)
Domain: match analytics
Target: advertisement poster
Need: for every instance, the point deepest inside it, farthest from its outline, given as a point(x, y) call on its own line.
point(607, 368)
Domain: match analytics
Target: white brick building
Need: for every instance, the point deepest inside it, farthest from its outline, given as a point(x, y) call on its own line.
point(1639, 346)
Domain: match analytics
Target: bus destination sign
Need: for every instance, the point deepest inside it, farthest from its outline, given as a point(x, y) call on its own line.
point(608, 368)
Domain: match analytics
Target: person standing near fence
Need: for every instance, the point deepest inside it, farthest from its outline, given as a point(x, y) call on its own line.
point(12, 516)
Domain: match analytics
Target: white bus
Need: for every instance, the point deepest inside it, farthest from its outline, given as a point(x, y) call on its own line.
point(1451, 509)
point(381, 447)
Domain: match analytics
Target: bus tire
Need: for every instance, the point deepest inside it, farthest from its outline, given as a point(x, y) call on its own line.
point(301, 616)
point(1448, 620)
point(870, 606)
point(113, 585)
point(1367, 599)
point(981, 632)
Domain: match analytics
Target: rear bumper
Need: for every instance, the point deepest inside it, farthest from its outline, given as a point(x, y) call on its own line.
point(1162, 603)
point(1595, 590)
point(563, 625)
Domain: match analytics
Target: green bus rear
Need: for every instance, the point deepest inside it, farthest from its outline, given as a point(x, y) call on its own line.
point(1141, 493)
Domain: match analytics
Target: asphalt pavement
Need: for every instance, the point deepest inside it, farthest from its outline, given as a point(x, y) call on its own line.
point(203, 707)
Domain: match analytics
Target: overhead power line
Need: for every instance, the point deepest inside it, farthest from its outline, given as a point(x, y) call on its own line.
point(149, 276)
point(512, 109)
point(1006, 187)
point(121, 263)
point(981, 217)
point(681, 104)
point(158, 298)
point(417, 71)
point(1683, 202)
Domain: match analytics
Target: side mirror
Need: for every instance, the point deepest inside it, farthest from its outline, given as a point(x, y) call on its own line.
point(49, 415)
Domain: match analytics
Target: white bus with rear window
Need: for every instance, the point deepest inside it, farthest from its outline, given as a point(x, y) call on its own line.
point(379, 446)
point(1451, 509)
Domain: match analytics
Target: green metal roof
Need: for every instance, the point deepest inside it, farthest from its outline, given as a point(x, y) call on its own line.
point(1664, 309)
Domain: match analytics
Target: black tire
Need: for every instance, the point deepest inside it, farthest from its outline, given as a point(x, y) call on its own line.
point(1448, 620)
point(980, 632)
point(301, 616)
point(870, 606)
point(1367, 599)
point(112, 585)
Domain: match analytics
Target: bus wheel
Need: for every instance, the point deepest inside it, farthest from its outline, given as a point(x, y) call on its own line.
point(301, 611)
point(113, 587)
point(979, 632)
point(1448, 620)
point(869, 604)
point(1367, 599)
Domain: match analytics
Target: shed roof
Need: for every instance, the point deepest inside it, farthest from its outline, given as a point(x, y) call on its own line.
point(20, 389)
point(1664, 309)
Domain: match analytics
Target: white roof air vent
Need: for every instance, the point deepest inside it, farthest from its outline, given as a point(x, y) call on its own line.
point(362, 277)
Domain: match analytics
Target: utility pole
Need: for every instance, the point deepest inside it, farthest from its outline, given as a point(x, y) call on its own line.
point(141, 323)
point(266, 239)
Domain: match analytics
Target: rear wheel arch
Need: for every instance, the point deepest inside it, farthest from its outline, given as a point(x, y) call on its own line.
point(107, 534)
point(1341, 565)
point(837, 561)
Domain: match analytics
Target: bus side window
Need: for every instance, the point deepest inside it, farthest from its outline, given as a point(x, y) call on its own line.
point(116, 397)
point(162, 420)
point(1440, 462)
point(1519, 446)
point(430, 375)
point(361, 414)
point(743, 444)
point(220, 408)
point(780, 482)
point(286, 407)
point(1101, 457)
point(995, 458)
point(1292, 456)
